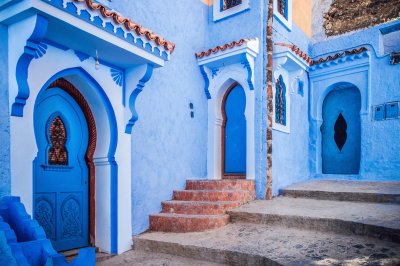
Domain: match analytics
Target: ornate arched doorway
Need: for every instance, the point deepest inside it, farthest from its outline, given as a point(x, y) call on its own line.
point(233, 137)
point(64, 173)
point(341, 131)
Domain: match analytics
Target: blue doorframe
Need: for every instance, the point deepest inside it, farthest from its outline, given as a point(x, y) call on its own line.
point(234, 133)
point(60, 172)
point(341, 131)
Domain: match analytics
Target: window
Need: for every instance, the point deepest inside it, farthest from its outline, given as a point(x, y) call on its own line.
point(226, 4)
point(283, 8)
point(225, 8)
point(280, 101)
point(283, 12)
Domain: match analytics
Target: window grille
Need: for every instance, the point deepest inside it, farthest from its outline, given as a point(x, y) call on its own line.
point(230, 3)
point(280, 101)
point(283, 8)
point(58, 137)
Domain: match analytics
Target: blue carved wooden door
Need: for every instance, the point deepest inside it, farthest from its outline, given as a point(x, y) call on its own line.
point(60, 170)
point(341, 132)
point(235, 133)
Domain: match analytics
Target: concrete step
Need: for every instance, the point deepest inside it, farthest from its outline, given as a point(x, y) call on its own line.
point(220, 185)
point(198, 207)
point(367, 219)
point(343, 190)
point(172, 222)
point(214, 195)
point(259, 244)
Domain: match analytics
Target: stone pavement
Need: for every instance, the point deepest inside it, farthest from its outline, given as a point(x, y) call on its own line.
point(259, 244)
point(142, 258)
point(320, 222)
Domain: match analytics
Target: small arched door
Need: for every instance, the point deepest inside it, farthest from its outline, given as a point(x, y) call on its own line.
point(341, 131)
point(60, 170)
point(234, 133)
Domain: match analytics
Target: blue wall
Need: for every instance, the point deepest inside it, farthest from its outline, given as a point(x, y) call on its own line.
point(168, 145)
point(380, 143)
point(248, 24)
point(5, 181)
point(290, 151)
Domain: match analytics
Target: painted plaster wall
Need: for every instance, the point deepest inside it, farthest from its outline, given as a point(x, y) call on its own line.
point(319, 8)
point(168, 146)
point(250, 23)
point(290, 150)
point(379, 139)
point(302, 15)
point(5, 180)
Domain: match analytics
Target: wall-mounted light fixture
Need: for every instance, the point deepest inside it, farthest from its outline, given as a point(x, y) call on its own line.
point(97, 64)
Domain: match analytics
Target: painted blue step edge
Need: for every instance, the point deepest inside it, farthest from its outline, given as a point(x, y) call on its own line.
point(23, 241)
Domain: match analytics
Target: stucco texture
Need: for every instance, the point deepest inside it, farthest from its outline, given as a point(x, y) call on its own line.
point(5, 181)
point(168, 146)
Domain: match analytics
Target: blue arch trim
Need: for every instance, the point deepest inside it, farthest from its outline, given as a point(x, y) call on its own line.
point(134, 95)
point(33, 49)
point(78, 71)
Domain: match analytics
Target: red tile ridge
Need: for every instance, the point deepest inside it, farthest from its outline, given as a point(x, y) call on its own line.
point(222, 48)
point(297, 51)
point(337, 55)
point(130, 25)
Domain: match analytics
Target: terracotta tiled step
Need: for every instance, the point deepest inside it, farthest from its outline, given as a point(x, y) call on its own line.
point(198, 207)
point(214, 195)
point(220, 185)
point(168, 222)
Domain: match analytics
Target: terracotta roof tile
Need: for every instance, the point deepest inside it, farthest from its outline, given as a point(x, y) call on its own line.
point(222, 48)
point(130, 25)
point(297, 51)
point(337, 55)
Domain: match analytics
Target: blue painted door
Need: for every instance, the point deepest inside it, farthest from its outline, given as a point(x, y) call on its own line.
point(341, 132)
point(60, 170)
point(235, 132)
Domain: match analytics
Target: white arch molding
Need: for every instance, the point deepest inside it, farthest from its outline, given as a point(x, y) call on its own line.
point(221, 71)
point(111, 158)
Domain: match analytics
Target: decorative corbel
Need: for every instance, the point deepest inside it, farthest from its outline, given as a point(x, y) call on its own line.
point(295, 79)
point(206, 81)
point(248, 64)
point(34, 48)
point(132, 98)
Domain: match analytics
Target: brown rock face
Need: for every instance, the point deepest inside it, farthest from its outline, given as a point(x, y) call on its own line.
point(349, 15)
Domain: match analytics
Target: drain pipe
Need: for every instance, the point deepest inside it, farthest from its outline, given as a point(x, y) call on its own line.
point(268, 194)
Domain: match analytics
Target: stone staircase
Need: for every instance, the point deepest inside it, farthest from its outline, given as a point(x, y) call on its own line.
point(324, 222)
point(202, 206)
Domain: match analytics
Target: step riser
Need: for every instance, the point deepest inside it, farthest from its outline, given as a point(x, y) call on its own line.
point(343, 196)
point(319, 224)
point(201, 253)
point(220, 185)
point(182, 224)
point(213, 196)
point(172, 207)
